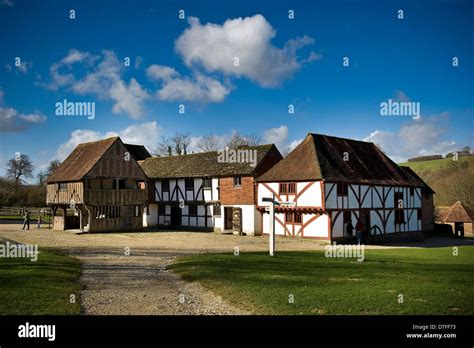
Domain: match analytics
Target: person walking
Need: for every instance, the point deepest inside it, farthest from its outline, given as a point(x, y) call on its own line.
point(26, 220)
point(359, 228)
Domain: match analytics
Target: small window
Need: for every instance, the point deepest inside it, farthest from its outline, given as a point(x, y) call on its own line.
point(108, 184)
point(347, 217)
point(297, 218)
point(282, 188)
point(292, 188)
point(420, 214)
point(412, 191)
point(165, 185)
point(63, 186)
point(288, 217)
point(141, 185)
point(237, 181)
point(94, 184)
point(161, 210)
point(121, 184)
point(207, 183)
point(193, 210)
point(131, 184)
point(189, 184)
point(217, 210)
point(342, 189)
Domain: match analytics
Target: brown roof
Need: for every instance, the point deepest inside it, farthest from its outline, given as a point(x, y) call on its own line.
point(322, 157)
point(81, 160)
point(415, 178)
point(138, 152)
point(203, 164)
point(458, 212)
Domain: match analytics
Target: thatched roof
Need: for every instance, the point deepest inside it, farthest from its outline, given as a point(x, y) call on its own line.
point(138, 152)
point(81, 160)
point(206, 164)
point(323, 157)
point(458, 212)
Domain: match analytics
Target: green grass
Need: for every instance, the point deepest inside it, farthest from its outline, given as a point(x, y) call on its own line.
point(432, 281)
point(433, 164)
point(41, 287)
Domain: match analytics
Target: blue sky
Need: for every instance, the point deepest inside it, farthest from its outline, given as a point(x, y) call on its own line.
point(282, 61)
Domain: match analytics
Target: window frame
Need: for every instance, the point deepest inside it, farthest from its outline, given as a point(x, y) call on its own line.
point(188, 187)
point(167, 189)
point(239, 179)
point(342, 189)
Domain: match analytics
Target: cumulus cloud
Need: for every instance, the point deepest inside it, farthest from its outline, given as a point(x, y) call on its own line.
point(424, 136)
point(277, 136)
point(198, 88)
point(13, 121)
point(147, 134)
point(103, 80)
point(215, 47)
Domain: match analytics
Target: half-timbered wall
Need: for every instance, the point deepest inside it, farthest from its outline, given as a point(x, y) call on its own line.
point(65, 193)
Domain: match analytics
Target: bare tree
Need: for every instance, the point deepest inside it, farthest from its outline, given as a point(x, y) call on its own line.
point(20, 168)
point(238, 139)
point(52, 166)
point(41, 177)
point(208, 143)
point(176, 145)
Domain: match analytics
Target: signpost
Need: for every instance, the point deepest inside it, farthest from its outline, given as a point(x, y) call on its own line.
point(271, 208)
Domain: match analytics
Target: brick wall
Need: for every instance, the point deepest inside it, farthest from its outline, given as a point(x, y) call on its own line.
point(236, 195)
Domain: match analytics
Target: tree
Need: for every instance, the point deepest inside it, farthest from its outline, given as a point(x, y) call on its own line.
point(176, 145)
point(238, 139)
point(52, 166)
point(41, 178)
point(20, 168)
point(208, 143)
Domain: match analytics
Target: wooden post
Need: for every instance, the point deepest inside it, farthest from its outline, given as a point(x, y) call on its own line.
point(272, 227)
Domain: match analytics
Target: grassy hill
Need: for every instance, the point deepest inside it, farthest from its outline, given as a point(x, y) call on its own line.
point(451, 180)
point(438, 164)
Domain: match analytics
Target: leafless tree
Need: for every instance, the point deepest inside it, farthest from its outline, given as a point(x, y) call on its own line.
point(175, 145)
point(20, 168)
point(208, 143)
point(238, 139)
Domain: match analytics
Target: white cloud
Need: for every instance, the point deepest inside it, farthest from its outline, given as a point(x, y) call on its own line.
point(294, 144)
point(103, 80)
point(215, 47)
point(277, 136)
point(13, 121)
point(199, 88)
point(425, 136)
point(147, 134)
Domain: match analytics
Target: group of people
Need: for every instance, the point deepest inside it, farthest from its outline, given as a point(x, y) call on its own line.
point(26, 220)
point(359, 227)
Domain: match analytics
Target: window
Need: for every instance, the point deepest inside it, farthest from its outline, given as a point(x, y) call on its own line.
point(136, 211)
point(141, 185)
point(399, 216)
point(282, 188)
point(288, 217)
point(347, 217)
point(63, 186)
point(131, 184)
point(342, 189)
point(217, 210)
point(297, 218)
point(398, 200)
point(420, 214)
point(94, 184)
point(237, 181)
point(292, 188)
point(207, 183)
point(165, 185)
point(189, 184)
point(109, 184)
point(161, 210)
point(193, 211)
point(412, 191)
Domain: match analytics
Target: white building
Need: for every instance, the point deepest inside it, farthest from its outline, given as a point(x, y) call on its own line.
point(327, 182)
point(203, 191)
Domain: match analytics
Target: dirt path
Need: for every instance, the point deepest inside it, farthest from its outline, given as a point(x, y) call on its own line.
point(140, 284)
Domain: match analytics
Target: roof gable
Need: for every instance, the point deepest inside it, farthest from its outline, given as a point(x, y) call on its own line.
point(81, 160)
point(458, 212)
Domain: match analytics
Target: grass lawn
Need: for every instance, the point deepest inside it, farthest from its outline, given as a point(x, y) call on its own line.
point(432, 281)
point(20, 218)
point(41, 287)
